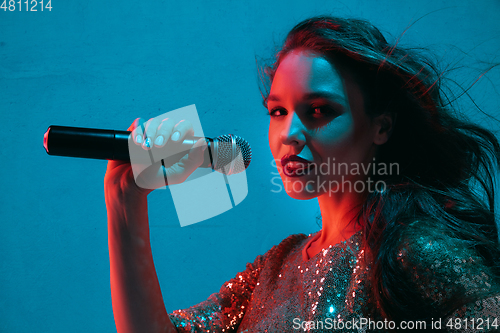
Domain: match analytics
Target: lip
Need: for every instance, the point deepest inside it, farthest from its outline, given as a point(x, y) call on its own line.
point(293, 158)
point(301, 167)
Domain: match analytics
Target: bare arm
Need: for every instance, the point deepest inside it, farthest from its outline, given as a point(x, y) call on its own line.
point(136, 296)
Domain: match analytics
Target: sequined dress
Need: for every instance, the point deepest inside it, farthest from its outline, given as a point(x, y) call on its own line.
point(285, 291)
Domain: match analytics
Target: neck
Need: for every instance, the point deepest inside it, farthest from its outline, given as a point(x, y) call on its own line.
point(338, 214)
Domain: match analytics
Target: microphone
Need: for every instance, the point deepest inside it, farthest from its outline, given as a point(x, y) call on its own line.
point(221, 154)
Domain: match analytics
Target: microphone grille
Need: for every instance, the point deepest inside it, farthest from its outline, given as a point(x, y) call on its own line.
point(232, 154)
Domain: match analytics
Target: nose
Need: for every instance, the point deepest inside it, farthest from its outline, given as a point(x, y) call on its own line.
point(293, 132)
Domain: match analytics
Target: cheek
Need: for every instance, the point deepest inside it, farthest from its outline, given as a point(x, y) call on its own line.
point(364, 134)
point(273, 137)
point(336, 135)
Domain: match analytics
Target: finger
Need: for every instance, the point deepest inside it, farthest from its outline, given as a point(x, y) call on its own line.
point(196, 155)
point(181, 170)
point(182, 129)
point(164, 131)
point(150, 132)
point(135, 124)
point(201, 143)
point(137, 129)
point(152, 177)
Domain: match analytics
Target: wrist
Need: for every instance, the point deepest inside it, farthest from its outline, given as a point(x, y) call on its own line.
point(127, 210)
point(123, 185)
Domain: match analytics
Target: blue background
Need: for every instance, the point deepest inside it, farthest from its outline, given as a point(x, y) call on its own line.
point(102, 64)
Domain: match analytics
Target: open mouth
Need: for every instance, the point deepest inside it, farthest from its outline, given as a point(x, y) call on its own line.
point(297, 169)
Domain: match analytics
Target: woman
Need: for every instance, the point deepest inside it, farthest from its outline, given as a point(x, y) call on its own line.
point(414, 242)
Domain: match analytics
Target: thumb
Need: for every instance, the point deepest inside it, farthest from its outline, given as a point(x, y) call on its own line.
point(195, 157)
point(138, 122)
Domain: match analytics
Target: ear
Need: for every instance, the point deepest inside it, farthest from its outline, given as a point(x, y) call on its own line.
point(385, 126)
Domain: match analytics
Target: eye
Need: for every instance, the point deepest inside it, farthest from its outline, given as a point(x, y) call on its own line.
point(276, 112)
point(322, 111)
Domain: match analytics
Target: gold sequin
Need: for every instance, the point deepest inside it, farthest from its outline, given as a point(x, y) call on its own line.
point(280, 286)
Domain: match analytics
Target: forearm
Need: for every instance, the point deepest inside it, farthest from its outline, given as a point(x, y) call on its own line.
point(136, 296)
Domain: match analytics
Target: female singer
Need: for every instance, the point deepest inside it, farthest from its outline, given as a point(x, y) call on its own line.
point(413, 244)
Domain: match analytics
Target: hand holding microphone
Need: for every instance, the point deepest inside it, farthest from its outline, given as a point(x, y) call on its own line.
point(174, 145)
point(151, 135)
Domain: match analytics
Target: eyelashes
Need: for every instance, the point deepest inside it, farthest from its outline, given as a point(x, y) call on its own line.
point(276, 112)
point(314, 111)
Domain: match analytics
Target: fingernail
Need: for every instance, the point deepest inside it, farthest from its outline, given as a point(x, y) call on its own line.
point(176, 136)
point(159, 140)
point(138, 138)
point(205, 147)
point(147, 143)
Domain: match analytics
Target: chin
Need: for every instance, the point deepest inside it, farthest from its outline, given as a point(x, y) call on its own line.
point(302, 195)
point(299, 189)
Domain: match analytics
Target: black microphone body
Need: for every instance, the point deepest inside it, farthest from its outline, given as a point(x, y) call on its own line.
point(114, 145)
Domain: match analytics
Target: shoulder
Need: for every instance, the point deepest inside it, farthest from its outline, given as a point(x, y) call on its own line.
point(292, 241)
point(287, 246)
point(443, 271)
point(279, 254)
point(289, 243)
point(423, 245)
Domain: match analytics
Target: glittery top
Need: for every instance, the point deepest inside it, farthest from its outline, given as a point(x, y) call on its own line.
point(285, 291)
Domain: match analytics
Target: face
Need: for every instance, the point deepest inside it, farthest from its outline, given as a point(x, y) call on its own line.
point(317, 123)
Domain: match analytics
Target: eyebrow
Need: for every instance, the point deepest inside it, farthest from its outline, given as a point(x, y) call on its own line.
point(313, 95)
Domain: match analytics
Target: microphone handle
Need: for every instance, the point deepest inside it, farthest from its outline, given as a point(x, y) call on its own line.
point(105, 144)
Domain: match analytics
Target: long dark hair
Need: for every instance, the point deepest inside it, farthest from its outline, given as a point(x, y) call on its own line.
point(447, 165)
